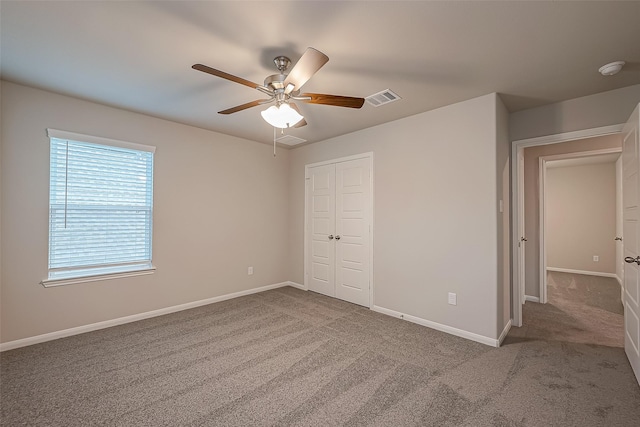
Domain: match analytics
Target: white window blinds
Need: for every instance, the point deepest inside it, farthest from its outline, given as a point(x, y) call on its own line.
point(100, 207)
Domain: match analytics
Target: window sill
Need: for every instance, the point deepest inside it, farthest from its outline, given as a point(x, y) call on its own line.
point(49, 283)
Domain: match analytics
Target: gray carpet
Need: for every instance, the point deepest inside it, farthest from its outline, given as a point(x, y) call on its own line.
point(580, 309)
point(288, 357)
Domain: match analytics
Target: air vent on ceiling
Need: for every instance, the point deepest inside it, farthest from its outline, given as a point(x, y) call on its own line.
point(290, 140)
point(381, 98)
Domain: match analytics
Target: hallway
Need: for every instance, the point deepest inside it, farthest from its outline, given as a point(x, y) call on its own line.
point(581, 309)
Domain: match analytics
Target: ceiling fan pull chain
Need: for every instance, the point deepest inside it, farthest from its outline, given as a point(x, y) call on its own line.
point(274, 142)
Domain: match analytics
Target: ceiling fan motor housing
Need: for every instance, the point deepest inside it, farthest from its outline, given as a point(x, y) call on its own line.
point(282, 63)
point(275, 81)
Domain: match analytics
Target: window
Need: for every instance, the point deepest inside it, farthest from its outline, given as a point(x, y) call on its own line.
point(100, 208)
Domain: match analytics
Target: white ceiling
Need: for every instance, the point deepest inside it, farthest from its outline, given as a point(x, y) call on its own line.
point(138, 55)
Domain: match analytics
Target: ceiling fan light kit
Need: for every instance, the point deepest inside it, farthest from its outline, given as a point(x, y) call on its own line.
point(282, 116)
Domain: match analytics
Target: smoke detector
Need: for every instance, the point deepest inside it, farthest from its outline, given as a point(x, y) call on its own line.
point(611, 68)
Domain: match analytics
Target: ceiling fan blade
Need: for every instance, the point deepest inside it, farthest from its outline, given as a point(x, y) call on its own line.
point(224, 75)
point(310, 62)
point(302, 122)
point(338, 101)
point(244, 106)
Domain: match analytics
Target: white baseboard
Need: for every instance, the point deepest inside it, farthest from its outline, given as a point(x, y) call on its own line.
point(619, 281)
point(588, 273)
point(532, 299)
point(10, 345)
point(297, 285)
point(504, 333)
point(439, 327)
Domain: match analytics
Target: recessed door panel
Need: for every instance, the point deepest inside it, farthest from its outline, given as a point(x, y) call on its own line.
point(631, 277)
point(631, 183)
point(352, 279)
point(352, 202)
point(320, 272)
point(632, 330)
point(353, 228)
point(321, 226)
point(352, 253)
point(321, 250)
point(321, 203)
point(352, 177)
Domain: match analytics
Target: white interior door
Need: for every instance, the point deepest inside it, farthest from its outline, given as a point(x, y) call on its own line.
point(353, 193)
point(338, 236)
point(631, 239)
point(321, 211)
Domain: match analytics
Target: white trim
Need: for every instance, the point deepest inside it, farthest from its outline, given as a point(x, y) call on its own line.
point(368, 155)
point(50, 283)
point(517, 232)
point(531, 298)
point(504, 333)
point(439, 327)
point(619, 281)
point(588, 273)
point(517, 215)
point(78, 137)
point(569, 136)
point(542, 217)
point(296, 285)
point(10, 345)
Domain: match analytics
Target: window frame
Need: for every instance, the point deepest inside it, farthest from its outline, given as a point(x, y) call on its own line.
point(137, 268)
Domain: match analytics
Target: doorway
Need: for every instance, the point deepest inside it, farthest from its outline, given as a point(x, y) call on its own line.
point(523, 246)
point(578, 214)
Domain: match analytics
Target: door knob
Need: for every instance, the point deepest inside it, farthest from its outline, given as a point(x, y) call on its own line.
point(631, 260)
point(330, 236)
point(337, 237)
point(523, 239)
point(618, 238)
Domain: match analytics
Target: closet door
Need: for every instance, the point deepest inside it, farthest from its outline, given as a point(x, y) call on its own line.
point(352, 232)
point(321, 211)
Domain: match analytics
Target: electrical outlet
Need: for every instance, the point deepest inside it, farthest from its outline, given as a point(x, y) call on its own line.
point(250, 271)
point(596, 258)
point(453, 298)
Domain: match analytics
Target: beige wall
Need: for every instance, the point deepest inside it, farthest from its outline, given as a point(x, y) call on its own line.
point(581, 217)
point(503, 149)
point(220, 206)
point(588, 112)
point(435, 208)
point(531, 197)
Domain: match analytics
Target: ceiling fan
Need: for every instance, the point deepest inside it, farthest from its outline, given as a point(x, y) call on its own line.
point(284, 88)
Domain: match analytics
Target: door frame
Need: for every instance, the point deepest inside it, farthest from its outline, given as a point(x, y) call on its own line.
point(542, 206)
point(369, 156)
point(517, 215)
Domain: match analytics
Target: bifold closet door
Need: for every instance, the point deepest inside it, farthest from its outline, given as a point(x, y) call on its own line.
point(339, 230)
